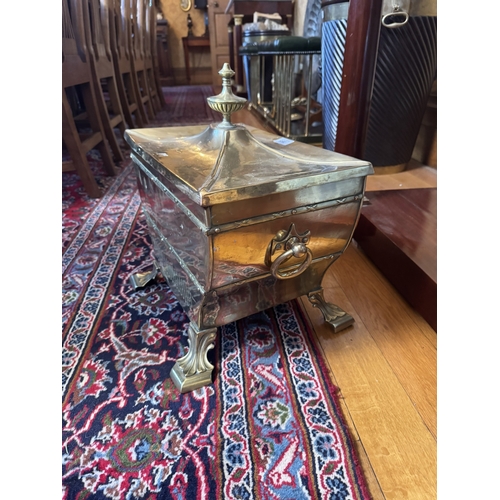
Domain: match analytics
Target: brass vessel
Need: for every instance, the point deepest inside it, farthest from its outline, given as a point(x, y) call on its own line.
point(241, 220)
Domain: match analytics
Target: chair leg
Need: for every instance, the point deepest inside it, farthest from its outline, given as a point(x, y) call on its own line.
point(138, 97)
point(159, 90)
point(122, 93)
point(139, 110)
point(108, 129)
point(96, 125)
point(152, 90)
point(116, 105)
point(72, 142)
point(143, 82)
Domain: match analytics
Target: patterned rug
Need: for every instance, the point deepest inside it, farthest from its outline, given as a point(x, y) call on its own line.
point(270, 427)
point(187, 105)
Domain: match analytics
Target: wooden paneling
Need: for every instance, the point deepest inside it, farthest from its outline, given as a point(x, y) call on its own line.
point(397, 229)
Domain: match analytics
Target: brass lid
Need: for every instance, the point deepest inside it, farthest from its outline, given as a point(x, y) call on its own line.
point(226, 162)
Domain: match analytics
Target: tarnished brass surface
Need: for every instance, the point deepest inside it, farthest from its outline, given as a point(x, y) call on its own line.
point(241, 222)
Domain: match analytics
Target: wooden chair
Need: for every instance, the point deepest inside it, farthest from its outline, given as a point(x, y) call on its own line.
point(154, 53)
point(96, 22)
point(126, 79)
point(136, 48)
point(147, 30)
point(77, 83)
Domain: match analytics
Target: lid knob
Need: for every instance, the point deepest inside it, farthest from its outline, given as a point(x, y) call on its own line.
point(226, 102)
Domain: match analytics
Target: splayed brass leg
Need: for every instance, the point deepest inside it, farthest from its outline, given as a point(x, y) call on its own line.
point(193, 370)
point(333, 314)
point(140, 280)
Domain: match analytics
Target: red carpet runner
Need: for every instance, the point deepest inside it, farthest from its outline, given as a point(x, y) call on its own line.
point(270, 427)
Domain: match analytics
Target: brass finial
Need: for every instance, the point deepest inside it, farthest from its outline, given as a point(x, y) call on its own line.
point(226, 102)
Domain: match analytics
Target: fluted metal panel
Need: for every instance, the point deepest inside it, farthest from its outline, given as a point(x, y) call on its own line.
point(405, 72)
point(333, 43)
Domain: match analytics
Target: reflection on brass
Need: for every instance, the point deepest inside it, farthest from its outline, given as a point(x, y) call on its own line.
point(213, 165)
point(140, 280)
point(210, 309)
point(172, 251)
point(193, 370)
point(333, 314)
point(285, 213)
point(163, 188)
point(293, 244)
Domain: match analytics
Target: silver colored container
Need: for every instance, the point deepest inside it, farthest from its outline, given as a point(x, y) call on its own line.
point(241, 220)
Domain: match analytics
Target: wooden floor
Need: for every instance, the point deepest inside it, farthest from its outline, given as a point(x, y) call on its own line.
point(384, 365)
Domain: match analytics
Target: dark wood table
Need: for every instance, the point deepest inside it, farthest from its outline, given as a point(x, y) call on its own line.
point(397, 230)
point(192, 43)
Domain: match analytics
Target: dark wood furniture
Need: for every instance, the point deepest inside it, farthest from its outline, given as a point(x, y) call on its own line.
point(191, 44)
point(79, 98)
point(132, 12)
point(103, 71)
point(163, 53)
point(126, 79)
point(153, 47)
point(148, 33)
point(398, 231)
point(143, 57)
point(360, 54)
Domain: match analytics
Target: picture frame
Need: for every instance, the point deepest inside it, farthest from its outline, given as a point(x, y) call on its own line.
point(186, 5)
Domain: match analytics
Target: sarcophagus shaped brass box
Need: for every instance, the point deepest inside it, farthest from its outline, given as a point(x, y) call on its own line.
point(241, 220)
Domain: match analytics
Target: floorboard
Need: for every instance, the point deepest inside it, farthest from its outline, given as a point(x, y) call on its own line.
point(384, 388)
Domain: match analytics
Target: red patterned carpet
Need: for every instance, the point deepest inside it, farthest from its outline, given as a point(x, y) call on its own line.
point(270, 426)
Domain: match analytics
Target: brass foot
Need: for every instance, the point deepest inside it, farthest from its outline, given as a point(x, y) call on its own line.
point(333, 314)
point(193, 370)
point(140, 280)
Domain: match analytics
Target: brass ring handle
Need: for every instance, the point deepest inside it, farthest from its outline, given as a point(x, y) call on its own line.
point(297, 250)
